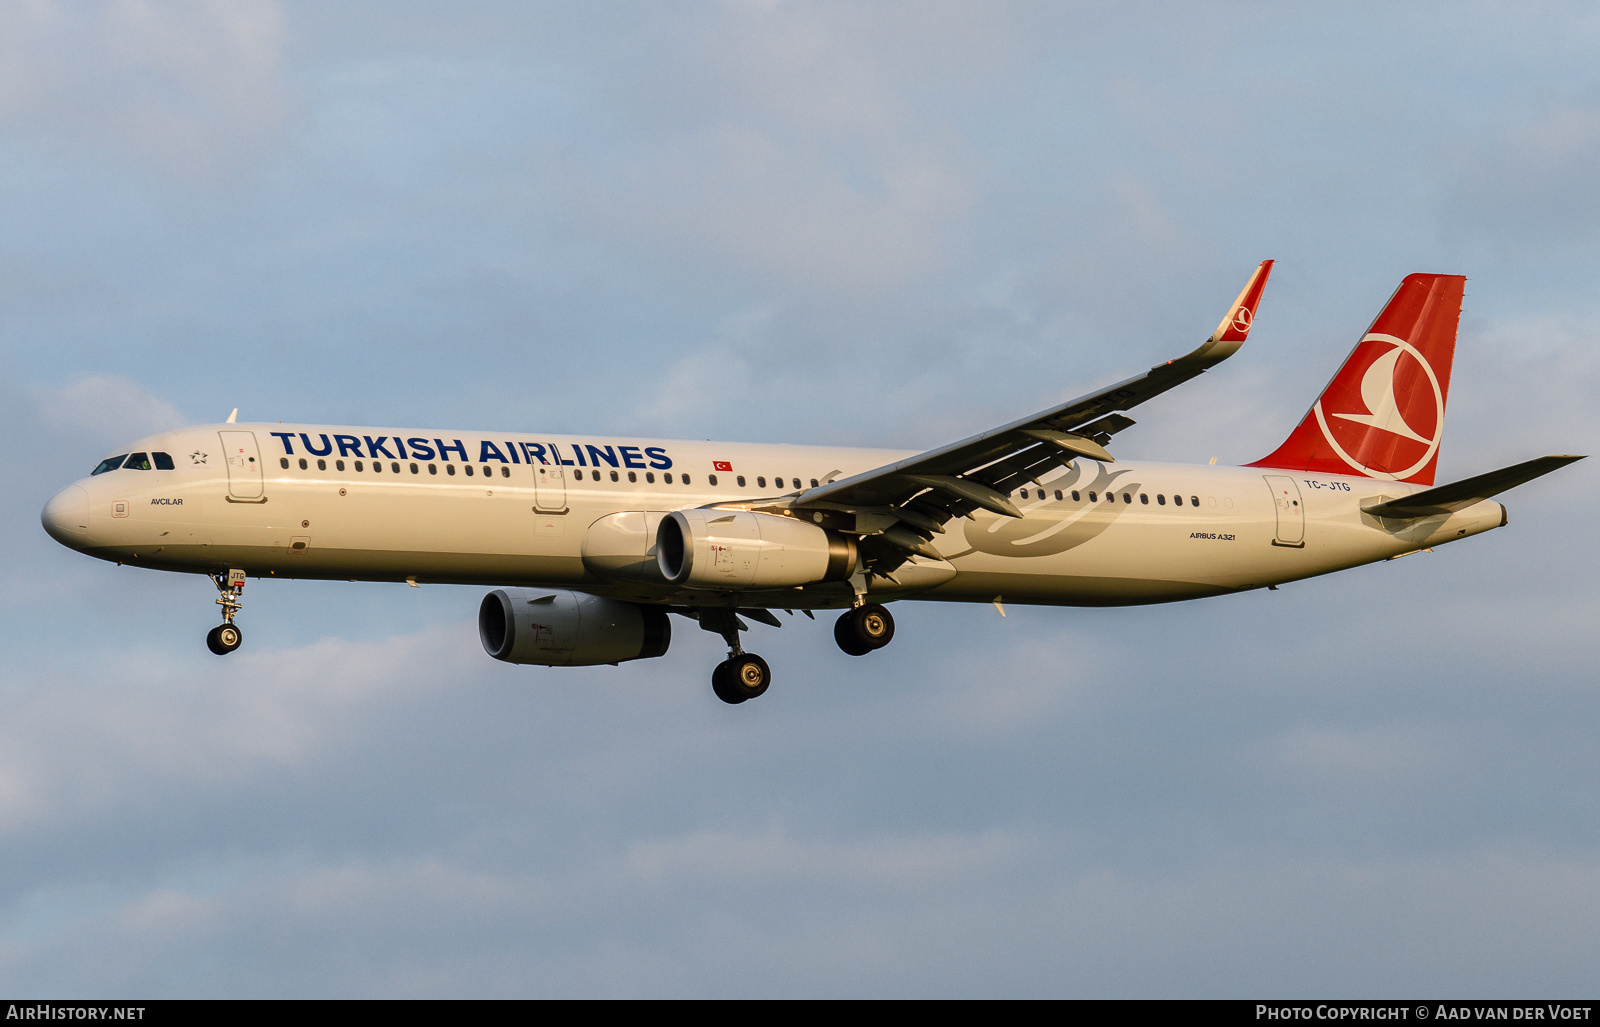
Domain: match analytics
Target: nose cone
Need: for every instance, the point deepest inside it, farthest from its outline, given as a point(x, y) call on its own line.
point(66, 516)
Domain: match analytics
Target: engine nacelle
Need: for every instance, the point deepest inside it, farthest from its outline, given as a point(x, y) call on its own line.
point(559, 628)
point(739, 549)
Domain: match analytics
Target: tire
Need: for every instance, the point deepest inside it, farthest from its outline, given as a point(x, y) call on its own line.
point(746, 676)
point(874, 625)
point(224, 639)
point(719, 685)
point(848, 637)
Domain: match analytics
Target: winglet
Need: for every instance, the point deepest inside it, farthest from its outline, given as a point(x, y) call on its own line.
point(1235, 325)
point(233, 416)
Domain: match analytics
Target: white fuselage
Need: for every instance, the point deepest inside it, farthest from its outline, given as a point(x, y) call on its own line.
point(303, 501)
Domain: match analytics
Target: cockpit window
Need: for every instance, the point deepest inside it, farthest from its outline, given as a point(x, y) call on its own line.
point(163, 461)
point(137, 462)
point(109, 464)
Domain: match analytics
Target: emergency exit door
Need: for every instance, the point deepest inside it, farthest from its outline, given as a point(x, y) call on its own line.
point(550, 488)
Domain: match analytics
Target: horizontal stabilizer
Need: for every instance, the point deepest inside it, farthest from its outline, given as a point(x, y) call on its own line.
point(1462, 494)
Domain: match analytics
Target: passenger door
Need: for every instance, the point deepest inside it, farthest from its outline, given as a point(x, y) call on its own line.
point(244, 466)
point(1291, 513)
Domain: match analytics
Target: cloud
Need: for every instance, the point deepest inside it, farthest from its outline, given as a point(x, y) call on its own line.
point(105, 410)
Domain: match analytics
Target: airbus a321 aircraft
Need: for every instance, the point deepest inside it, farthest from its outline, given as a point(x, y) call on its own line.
point(589, 543)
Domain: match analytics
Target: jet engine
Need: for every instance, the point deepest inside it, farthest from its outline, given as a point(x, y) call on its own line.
point(739, 549)
point(559, 628)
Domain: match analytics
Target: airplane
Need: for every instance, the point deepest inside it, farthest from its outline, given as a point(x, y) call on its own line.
point(590, 543)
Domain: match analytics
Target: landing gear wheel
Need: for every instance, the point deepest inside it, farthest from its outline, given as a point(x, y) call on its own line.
point(224, 639)
point(844, 633)
point(719, 685)
point(875, 625)
point(741, 677)
point(862, 630)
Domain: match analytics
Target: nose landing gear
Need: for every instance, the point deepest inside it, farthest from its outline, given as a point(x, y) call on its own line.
point(226, 637)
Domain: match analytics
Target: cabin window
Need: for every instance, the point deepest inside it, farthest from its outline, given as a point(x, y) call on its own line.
point(813, 483)
point(650, 477)
point(450, 469)
point(322, 465)
point(467, 469)
point(1211, 501)
point(1058, 495)
point(338, 465)
point(433, 468)
point(283, 462)
point(712, 478)
point(163, 461)
point(797, 484)
point(377, 467)
point(302, 463)
point(358, 465)
point(394, 466)
point(1075, 496)
point(505, 472)
point(414, 469)
point(761, 482)
point(1091, 497)
point(576, 475)
point(114, 462)
point(1041, 493)
point(686, 479)
point(633, 476)
point(613, 475)
point(1161, 500)
point(667, 477)
point(1144, 497)
point(740, 480)
point(1126, 498)
point(1194, 500)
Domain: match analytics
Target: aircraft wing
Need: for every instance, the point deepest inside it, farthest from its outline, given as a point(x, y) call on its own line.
point(925, 491)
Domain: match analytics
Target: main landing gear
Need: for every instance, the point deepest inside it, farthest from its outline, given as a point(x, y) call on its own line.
point(864, 629)
point(742, 675)
point(225, 637)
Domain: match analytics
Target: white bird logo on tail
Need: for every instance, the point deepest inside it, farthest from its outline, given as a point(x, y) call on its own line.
point(1383, 408)
point(1377, 392)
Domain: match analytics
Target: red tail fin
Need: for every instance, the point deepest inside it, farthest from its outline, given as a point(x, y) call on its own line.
point(1382, 416)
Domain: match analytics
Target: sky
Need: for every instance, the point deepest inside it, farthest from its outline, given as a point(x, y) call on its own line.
point(841, 223)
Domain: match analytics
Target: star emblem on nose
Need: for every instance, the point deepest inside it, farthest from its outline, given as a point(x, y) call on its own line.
point(198, 457)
